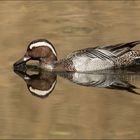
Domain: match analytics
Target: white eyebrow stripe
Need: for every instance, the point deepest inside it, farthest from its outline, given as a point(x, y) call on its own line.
point(42, 92)
point(42, 44)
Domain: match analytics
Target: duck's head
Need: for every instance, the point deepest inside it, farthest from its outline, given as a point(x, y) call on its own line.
point(41, 50)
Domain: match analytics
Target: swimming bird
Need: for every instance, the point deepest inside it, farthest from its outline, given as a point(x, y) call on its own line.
point(84, 60)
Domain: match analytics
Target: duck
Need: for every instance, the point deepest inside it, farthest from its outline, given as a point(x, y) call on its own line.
point(85, 60)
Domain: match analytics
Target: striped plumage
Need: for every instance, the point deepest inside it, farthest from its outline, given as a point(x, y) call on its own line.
point(85, 60)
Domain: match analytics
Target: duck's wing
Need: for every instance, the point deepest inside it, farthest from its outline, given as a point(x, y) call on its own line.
point(120, 49)
point(93, 53)
point(106, 52)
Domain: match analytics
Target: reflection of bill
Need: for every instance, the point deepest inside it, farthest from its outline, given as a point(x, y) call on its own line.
point(41, 84)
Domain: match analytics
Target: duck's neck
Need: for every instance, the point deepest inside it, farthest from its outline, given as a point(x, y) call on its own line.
point(48, 62)
point(51, 63)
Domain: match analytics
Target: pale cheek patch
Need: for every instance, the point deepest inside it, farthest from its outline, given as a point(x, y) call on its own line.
point(38, 44)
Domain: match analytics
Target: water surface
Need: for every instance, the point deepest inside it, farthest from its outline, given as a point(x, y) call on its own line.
point(71, 110)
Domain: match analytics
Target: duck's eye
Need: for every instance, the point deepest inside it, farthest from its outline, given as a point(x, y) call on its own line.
point(29, 50)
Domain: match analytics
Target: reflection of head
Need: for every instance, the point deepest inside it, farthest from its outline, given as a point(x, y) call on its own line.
point(41, 92)
point(41, 84)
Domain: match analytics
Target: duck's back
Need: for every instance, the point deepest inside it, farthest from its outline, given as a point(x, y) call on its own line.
point(99, 58)
point(83, 62)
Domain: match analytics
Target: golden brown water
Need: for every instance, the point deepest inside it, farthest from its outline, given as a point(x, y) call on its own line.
point(71, 111)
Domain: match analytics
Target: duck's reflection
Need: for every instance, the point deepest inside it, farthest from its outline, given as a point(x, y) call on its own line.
point(40, 84)
point(104, 79)
point(43, 83)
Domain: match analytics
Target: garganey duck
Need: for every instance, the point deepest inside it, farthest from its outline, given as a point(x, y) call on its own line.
point(85, 60)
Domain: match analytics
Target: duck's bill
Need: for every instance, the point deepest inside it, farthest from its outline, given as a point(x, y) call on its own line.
point(24, 59)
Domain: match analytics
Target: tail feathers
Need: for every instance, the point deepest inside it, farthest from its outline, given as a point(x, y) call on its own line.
point(134, 43)
point(122, 48)
point(137, 61)
point(128, 45)
point(122, 45)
